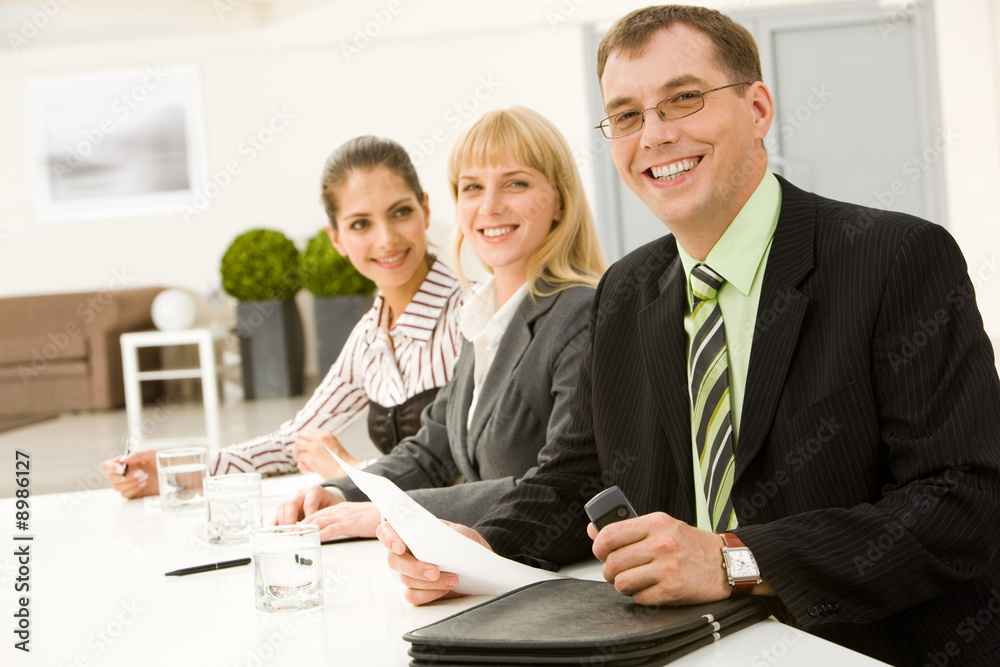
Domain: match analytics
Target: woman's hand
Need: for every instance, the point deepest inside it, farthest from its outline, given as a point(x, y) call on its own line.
point(306, 502)
point(424, 582)
point(140, 480)
point(312, 448)
point(346, 520)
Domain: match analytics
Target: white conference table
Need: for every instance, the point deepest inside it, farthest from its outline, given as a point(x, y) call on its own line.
point(98, 597)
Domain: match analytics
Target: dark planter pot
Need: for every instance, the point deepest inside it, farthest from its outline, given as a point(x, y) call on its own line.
point(335, 319)
point(272, 348)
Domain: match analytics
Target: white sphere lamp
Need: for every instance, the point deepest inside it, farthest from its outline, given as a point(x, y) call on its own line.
point(173, 310)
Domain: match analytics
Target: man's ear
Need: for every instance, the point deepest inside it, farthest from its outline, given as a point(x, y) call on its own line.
point(335, 240)
point(762, 105)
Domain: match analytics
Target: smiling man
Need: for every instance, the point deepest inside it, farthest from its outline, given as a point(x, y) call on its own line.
point(743, 384)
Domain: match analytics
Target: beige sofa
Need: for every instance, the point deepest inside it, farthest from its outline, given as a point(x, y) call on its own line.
point(62, 352)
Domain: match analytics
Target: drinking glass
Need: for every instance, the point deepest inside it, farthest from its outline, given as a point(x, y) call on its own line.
point(287, 568)
point(234, 507)
point(181, 474)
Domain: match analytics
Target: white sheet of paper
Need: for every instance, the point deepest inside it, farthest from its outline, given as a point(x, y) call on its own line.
point(479, 570)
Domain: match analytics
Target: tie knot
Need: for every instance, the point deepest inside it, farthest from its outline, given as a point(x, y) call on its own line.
point(705, 283)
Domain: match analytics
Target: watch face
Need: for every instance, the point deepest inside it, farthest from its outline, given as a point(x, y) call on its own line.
point(742, 564)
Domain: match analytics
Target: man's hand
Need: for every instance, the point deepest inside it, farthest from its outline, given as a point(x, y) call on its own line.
point(659, 560)
point(306, 502)
point(140, 480)
point(346, 519)
point(310, 450)
point(424, 582)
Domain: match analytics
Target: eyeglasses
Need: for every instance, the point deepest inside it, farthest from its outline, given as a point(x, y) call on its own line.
point(674, 107)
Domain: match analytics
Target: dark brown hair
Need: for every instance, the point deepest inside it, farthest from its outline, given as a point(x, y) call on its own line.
point(367, 153)
point(735, 49)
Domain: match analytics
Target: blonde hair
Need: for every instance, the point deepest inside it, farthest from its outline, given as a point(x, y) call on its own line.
point(571, 254)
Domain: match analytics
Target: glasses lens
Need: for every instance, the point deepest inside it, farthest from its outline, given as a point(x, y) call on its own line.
point(683, 104)
point(624, 123)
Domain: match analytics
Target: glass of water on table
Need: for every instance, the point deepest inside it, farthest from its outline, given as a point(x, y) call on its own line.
point(181, 474)
point(234, 507)
point(287, 568)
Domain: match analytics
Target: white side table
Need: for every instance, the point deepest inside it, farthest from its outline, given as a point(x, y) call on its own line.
point(206, 371)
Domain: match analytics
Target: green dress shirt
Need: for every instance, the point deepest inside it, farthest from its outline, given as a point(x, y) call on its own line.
point(739, 256)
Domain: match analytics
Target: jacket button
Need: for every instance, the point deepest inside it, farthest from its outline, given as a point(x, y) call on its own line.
point(813, 611)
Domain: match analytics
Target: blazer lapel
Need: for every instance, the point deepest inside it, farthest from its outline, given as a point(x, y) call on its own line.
point(513, 345)
point(780, 313)
point(461, 399)
point(664, 349)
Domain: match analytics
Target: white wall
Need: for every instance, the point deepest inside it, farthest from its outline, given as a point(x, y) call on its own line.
point(431, 56)
point(968, 32)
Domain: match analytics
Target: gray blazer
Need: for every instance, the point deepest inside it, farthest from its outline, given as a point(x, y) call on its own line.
point(522, 403)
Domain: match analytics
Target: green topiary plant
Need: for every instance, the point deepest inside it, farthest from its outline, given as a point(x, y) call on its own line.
point(326, 273)
point(261, 265)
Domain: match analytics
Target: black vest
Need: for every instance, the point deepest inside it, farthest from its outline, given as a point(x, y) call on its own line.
point(387, 426)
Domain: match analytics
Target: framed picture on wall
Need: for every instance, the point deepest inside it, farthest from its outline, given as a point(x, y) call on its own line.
point(116, 144)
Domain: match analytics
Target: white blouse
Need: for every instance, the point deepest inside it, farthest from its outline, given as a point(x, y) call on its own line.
point(484, 325)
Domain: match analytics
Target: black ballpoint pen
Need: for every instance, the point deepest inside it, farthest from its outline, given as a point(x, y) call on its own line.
point(128, 450)
point(209, 567)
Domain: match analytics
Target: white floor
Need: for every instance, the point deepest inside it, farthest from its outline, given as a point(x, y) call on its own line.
point(66, 452)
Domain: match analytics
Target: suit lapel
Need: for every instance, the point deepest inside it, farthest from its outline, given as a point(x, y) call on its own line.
point(513, 345)
point(780, 313)
point(664, 348)
point(461, 399)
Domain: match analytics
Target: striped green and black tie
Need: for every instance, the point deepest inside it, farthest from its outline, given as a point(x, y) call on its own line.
point(712, 421)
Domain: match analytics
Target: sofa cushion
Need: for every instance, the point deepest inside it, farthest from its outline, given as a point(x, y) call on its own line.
point(26, 374)
point(44, 348)
point(55, 394)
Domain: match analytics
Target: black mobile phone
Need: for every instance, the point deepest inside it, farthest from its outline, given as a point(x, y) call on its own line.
point(608, 506)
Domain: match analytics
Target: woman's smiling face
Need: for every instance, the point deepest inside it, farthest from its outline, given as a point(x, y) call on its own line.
point(381, 226)
point(505, 211)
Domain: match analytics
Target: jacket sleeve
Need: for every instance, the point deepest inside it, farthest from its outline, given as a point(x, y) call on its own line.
point(937, 397)
point(420, 461)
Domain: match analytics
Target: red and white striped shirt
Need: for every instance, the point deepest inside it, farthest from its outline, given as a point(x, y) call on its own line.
point(389, 367)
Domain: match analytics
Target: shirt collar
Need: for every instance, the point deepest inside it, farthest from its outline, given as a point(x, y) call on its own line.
point(737, 256)
point(421, 315)
point(480, 316)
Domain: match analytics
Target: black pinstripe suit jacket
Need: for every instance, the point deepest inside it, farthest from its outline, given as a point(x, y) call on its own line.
point(868, 464)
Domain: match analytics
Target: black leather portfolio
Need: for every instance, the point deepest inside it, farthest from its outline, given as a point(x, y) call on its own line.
point(575, 622)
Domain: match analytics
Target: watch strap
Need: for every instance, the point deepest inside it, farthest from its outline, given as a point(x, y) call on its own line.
point(732, 541)
point(740, 588)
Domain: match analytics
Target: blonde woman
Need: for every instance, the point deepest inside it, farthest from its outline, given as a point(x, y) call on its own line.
point(522, 210)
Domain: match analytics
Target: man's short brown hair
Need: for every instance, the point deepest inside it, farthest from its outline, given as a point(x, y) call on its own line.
point(735, 49)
